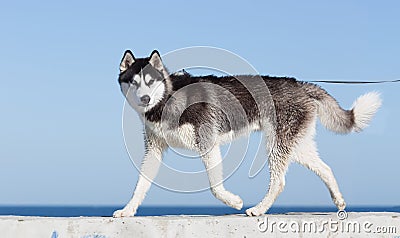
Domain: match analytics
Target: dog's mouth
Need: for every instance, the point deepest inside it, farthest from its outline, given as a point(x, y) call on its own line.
point(144, 105)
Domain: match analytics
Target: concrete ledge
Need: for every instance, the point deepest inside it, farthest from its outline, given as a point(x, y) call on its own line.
point(385, 224)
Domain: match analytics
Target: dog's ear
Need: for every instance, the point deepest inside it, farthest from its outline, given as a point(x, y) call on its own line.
point(155, 61)
point(127, 60)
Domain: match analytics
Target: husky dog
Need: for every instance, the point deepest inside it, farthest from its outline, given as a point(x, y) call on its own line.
point(200, 113)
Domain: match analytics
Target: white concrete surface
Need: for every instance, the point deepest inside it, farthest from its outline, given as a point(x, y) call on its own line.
point(282, 225)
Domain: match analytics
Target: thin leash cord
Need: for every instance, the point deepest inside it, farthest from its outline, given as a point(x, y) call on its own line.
point(354, 82)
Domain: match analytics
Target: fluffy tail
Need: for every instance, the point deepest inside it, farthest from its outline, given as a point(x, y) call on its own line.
point(336, 119)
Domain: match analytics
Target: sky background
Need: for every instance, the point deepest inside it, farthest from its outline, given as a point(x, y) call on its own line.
point(61, 140)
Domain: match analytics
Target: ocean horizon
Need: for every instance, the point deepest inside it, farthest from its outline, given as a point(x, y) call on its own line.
point(107, 211)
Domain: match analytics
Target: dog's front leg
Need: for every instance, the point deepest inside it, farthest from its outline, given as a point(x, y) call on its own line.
point(150, 165)
point(213, 162)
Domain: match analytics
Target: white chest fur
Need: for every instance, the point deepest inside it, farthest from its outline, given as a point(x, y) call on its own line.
point(182, 137)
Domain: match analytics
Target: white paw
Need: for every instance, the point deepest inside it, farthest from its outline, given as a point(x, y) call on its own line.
point(340, 204)
point(230, 199)
point(255, 211)
point(126, 212)
point(235, 201)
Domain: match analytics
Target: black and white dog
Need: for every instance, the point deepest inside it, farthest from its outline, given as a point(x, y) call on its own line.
point(200, 113)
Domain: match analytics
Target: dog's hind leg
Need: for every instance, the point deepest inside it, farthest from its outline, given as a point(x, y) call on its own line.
point(278, 163)
point(306, 154)
point(213, 162)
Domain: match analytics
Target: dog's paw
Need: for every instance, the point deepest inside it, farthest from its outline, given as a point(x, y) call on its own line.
point(230, 199)
point(340, 204)
point(255, 211)
point(234, 201)
point(126, 212)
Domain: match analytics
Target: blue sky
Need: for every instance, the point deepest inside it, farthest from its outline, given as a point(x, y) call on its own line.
point(61, 107)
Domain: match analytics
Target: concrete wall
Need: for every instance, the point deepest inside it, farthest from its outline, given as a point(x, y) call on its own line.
point(282, 225)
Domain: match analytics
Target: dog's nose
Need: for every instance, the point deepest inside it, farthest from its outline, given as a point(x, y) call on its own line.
point(145, 99)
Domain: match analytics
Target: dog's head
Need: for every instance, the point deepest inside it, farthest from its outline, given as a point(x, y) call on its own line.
point(143, 80)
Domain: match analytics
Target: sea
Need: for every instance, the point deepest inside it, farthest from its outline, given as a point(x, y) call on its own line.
point(107, 211)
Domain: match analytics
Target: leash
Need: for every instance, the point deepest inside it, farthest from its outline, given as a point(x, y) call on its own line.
point(354, 82)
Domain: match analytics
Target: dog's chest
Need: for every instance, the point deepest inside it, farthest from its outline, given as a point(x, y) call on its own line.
point(182, 136)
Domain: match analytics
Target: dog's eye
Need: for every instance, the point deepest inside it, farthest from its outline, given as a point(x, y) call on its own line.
point(133, 84)
point(151, 82)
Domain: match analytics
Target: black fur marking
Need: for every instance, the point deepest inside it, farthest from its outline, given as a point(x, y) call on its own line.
point(140, 66)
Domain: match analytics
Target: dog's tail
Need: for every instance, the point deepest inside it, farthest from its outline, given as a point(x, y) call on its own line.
point(339, 120)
